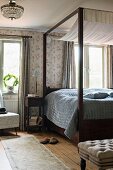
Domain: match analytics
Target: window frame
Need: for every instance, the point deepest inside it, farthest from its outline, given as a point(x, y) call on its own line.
point(86, 64)
point(2, 41)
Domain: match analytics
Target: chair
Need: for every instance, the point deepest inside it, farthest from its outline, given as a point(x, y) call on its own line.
point(9, 120)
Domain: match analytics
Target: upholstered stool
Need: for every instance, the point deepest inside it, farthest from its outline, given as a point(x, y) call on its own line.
point(9, 120)
point(99, 152)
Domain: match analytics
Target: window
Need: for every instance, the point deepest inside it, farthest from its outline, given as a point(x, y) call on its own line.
point(10, 51)
point(93, 66)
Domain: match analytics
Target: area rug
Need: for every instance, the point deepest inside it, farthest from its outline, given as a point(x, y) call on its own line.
point(26, 153)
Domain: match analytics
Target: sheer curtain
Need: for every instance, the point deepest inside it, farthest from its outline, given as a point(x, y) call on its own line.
point(110, 66)
point(24, 79)
point(98, 28)
point(69, 73)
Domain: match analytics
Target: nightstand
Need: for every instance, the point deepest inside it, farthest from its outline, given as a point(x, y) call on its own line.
point(33, 102)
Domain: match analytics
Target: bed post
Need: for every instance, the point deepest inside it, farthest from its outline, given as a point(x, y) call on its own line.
point(45, 46)
point(44, 64)
point(80, 85)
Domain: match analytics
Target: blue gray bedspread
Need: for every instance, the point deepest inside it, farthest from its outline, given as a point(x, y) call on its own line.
point(61, 107)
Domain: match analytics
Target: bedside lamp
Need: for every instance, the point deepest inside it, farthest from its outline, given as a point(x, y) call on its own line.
point(35, 74)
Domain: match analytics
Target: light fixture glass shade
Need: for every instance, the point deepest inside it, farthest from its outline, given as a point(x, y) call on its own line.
point(12, 10)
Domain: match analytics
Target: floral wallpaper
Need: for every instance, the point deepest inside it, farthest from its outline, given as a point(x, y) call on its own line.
point(54, 59)
point(54, 62)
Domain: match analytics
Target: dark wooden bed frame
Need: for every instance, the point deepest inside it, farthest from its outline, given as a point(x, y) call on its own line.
point(88, 129)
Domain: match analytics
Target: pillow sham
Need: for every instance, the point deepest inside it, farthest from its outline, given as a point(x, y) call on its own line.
point(100, 95)
point(111, 94)
point(89, 95)
point(97, 95)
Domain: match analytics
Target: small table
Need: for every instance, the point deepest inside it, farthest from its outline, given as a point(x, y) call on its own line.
point(33, 102)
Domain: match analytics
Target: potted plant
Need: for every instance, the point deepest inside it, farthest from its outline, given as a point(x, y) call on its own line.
point(10, 81)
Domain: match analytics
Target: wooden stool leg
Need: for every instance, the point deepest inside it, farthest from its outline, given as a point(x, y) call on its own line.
point(16, 131)
point(83, 164)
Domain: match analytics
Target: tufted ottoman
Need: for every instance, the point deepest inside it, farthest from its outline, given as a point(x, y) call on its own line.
point(99, 152)
point(9, 120)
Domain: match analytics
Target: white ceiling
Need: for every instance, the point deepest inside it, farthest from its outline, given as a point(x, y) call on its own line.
point(40, 14)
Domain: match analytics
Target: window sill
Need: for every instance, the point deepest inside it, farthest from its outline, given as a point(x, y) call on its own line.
point(9, 93)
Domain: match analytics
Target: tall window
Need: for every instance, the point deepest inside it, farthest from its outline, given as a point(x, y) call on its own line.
point(10, 51)
point(93, 66)
point(96, 69)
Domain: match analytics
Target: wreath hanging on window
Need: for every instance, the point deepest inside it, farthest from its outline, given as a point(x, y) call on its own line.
point(10, 78)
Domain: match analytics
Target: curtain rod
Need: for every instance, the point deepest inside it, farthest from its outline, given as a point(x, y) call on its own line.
point(21, 36)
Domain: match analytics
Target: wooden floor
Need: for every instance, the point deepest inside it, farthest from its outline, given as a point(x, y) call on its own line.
point(65, 150)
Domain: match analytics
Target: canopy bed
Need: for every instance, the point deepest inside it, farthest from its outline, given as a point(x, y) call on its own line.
point(94, 27)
